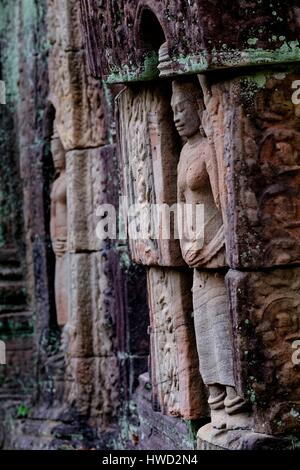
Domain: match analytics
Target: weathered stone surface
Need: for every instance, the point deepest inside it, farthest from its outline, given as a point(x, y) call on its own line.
point(91, 328)
point(256, 133)
point(200, 35)
point(156, 430)
point(22, 148)
point(92, 377)
point(202, 243)
point(265, 308)
point(93, 387)
point(92, 181)
point(16, 380)
point(149, 156)
point(82, 379)
point(34, 376)
point(137, 312)
point(12, 285)
point(177, 386)
point(29, 59)
point(10, 184)
point(132, 321)
point(65, 432)
point(78, 100)
point(63, 21)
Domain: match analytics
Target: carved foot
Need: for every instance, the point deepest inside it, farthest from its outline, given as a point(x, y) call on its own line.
point(228, 410)
point(237, 410)
point(219, 419)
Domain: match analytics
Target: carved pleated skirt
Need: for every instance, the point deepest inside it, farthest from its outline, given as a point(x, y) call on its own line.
point(62, 289)
point(213, 328)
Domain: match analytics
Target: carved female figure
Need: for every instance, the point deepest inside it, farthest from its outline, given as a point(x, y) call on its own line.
point(198, 183)
point(59, 230)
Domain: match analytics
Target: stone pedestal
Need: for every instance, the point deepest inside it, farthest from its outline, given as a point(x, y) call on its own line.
point(209, 438)
point(157, 431)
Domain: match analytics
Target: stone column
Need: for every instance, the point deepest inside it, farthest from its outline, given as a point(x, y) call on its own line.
point(260, 153)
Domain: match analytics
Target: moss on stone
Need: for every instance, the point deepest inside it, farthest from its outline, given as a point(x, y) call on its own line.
point(9, 27)
point(148, 71)
point(218, 58)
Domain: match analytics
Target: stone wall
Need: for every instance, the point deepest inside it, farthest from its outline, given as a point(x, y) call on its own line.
point(198, 108)
point(200, 34)
point(76, 379)
point(225, 75)
point(24, 242)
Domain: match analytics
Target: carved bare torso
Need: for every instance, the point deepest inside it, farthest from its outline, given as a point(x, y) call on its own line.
point(59, 215)
point(196, 180)
point(59, 205)
point(59, 231)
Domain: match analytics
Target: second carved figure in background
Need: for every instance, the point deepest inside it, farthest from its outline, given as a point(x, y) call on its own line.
point(59, 230)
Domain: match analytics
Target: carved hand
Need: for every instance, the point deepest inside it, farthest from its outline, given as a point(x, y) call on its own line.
point(192, 253)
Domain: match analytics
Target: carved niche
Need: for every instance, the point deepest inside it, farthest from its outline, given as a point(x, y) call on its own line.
point(149, 149)
point(202, 35)
point(199, 176)
point(149, 152)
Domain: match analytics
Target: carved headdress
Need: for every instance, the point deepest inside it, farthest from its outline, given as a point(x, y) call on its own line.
point(188, 89)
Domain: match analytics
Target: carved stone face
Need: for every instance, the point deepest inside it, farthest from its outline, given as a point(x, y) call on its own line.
point(186, 117)
point(58, 155)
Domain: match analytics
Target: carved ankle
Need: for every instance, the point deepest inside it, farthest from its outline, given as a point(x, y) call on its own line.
point(235, 405)
point(217, 403)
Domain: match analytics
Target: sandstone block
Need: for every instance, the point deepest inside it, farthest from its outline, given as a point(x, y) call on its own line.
point(91, 182)
point(258, 139)
point(78, 100)
point(265, 309)
point(177, 386)
point(91, 328)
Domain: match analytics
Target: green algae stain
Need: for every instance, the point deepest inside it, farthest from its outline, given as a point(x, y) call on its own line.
point(192, 64)
point(252, 41)
point(219, 58)
point(259, 80)
point(148, 71)
point(9, 27)
point(18, 17)
point(29, 24)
